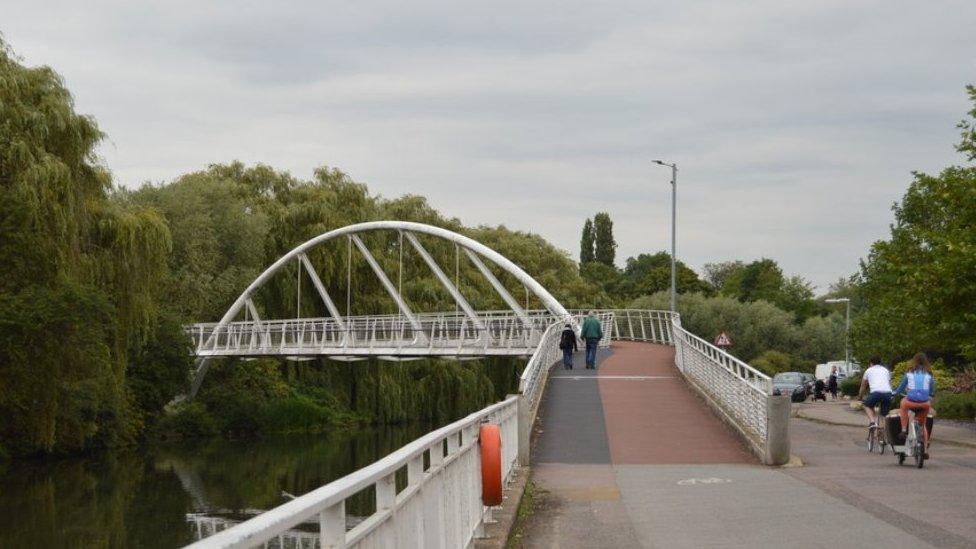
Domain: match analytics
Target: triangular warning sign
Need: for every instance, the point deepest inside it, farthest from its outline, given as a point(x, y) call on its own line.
point(723, 340)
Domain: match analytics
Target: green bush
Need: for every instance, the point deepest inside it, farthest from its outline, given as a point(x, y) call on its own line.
point(851, 386)
point(772, 362)
point(956, 406)
point(188, 420)
point(297, 413)
point(756, 327)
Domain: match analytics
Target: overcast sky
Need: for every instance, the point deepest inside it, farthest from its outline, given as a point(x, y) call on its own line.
point(795, 124)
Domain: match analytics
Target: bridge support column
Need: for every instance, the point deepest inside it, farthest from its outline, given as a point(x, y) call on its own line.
point(524, 430)
point(777, 430)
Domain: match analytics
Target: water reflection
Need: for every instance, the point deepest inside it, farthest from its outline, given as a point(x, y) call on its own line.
point(159, 497)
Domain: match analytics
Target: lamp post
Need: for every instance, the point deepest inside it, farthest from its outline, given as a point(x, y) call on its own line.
point(847, 326)
point(674, 212)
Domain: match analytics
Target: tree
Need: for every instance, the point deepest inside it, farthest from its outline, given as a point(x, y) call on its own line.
point(586, 243)
point(79, 274)
point(647, 274)
point(756, 328)
point(796, 296)
point(718, 274)
point(919, 285)
point(760, 280)
point(967, 128)
point(605, 246)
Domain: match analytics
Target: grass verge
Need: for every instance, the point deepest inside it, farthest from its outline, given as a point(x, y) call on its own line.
point(526, 507)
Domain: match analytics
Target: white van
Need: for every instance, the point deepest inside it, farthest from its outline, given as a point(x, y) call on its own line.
point(843, 369)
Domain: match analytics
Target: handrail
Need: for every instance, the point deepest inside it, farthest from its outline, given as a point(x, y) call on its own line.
point(739, 391)
point(328, 501)
point(734, 365)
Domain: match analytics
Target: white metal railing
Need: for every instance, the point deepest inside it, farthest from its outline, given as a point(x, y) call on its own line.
point(501, 333)
point(739, 389)
point(204, 526)
point(643, 325)
point(440, 506)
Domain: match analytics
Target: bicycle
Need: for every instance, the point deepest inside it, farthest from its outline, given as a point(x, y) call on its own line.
point(877, 435)
point(914, 442)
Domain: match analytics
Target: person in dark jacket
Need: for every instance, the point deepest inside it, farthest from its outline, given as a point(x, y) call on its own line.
point(592, 333)
point(568, 344)
point(832, 383)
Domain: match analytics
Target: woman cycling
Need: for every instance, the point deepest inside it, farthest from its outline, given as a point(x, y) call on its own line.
point(921, 388)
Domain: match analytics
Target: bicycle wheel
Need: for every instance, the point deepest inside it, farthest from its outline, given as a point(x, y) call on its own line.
point(919, 445)
point(872, 434)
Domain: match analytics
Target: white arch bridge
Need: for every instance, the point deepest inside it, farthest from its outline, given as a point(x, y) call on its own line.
point(464, 333)
point(440, 506)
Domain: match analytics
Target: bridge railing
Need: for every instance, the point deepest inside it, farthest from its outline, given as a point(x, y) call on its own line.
point(499, 333)
point(643, 325)
point(439, 507)
point(739, 392)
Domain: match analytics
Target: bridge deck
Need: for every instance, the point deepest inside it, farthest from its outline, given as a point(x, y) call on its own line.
point(628, 456)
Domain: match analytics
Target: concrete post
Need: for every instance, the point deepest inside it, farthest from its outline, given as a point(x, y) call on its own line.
point(524, 430)
point(777, 430)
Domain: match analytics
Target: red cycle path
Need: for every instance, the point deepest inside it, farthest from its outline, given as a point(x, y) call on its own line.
point(652, 416)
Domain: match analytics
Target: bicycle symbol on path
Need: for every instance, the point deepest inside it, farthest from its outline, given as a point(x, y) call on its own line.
point(696, 481)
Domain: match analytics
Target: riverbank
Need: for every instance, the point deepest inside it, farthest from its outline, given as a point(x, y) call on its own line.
point(148, 497)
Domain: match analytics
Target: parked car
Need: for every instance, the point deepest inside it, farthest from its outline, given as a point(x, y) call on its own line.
point(792, 384)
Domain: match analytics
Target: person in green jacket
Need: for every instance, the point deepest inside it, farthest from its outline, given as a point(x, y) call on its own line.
point(592, 333)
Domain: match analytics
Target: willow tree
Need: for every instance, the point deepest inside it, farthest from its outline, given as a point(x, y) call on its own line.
point(77, 273)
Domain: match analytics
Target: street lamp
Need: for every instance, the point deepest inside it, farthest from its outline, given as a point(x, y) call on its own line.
point(674, 212)
point(847, 326)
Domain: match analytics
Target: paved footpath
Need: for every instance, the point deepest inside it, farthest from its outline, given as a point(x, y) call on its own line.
point(628, 456)
point(840, 413)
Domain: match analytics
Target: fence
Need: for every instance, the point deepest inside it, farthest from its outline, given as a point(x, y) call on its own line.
point(439, 507)
point(495, 332)
point(642, 325)
point(738, 392)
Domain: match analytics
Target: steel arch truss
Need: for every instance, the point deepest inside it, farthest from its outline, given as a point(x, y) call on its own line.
point(466, 333)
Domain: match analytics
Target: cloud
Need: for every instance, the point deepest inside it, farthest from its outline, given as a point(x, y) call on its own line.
point(795, 125)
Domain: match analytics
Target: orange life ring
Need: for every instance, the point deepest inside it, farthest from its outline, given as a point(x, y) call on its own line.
point(491, 464)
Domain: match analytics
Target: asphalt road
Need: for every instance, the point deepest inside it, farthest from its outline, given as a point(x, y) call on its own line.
point(936, 504)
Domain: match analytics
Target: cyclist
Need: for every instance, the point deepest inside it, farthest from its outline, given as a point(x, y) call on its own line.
point(921, 388)
point(877, 382)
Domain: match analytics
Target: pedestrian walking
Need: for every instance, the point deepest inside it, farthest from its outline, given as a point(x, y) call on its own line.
point(567, 342)
point(592, 333)
point(832, 383)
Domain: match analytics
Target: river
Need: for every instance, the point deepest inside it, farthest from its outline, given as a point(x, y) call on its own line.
point(169, 494)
